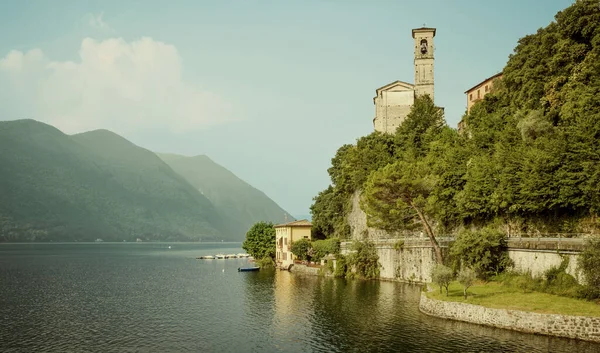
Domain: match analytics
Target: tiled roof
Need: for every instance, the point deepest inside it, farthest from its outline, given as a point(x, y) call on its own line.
point(300, 223)
point(484, 81)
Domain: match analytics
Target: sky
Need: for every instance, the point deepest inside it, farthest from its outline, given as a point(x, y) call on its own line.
point(268, 89)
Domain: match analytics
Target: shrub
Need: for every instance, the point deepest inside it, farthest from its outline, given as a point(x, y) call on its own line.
point(484, 251)
point(301, 249)
point(442, 276)
point(324, 247)
point(265, 262)
point(589, 263)
point(364, 260)
point(341, 267)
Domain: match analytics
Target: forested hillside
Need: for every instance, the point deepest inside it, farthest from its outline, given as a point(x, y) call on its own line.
point(232, 197)
point(527, 162)
point(56, 187)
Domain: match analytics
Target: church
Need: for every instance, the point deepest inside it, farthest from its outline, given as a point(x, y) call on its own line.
point(394, 100)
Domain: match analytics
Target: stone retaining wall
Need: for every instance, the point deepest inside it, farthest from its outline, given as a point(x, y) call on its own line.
point(579, 327)
point(298, 268)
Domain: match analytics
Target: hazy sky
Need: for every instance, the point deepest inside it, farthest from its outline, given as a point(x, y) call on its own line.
point(268, 89)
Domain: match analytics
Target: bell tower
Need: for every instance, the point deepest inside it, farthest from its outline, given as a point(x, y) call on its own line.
point(424, 60)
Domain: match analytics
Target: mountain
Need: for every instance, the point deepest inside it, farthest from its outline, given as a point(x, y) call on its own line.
point(233, 198)
point(56, 187)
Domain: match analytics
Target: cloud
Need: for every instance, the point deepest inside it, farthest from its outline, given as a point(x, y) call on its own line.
point(97, 23)
point(114, 84)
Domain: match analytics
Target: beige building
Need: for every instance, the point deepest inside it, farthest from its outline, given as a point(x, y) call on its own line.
point(477, 92)
point(394, 100)
point(285, 235)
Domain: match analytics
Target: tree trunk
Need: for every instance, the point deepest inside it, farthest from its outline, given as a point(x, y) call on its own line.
point(446, 290)
point(465, 291)
point(434, 243)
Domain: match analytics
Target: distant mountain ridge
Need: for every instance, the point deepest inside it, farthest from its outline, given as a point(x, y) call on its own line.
point(97, 184)
point(229, 194)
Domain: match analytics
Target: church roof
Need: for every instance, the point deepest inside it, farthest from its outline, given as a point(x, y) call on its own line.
point(396, 84)
point(300, 223)
point(423, 29)
point(406, 85)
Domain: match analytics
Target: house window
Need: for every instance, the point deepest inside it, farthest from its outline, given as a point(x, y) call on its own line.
point(486, 88)
point(305, 237)
point(478, 94)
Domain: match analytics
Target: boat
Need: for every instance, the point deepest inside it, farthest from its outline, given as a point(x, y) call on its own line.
point(248, 269)
point(220, 256)
point(240, 255)
point(207, 257)
point(230, 256)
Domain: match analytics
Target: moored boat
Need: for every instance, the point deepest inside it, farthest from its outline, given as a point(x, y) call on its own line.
point(248, 269)
point(220, 256)
point(207, 257)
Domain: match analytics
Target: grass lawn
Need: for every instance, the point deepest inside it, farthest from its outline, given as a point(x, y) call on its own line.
point(499, 296)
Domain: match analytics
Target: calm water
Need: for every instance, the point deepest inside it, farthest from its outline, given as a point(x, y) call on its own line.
point(148, 298)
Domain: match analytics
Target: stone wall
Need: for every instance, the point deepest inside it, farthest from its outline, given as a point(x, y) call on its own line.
point(539, 261)
point(413, 261)
point(303, 269)
point(416, 259)
point(579, 327)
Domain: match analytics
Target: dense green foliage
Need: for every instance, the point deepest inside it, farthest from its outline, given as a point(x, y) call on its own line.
point(301, 248)
point(260, 240)
point(589, 263)
point(363, 262)
point(485, 251)
point(442, 276)
point(322, 248)
point(234, 199)
point(527, 161)
point(94, 185)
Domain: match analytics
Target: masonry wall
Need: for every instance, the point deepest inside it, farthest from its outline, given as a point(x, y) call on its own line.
point(579, 327)
point(416, 259)
point(538, 261)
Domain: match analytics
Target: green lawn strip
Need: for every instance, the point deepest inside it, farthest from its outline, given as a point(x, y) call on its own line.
point(498, 296)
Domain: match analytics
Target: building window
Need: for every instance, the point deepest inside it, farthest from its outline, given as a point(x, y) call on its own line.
point(471, 96)
point(478, 94)
point(486, 88)
point(305, 237)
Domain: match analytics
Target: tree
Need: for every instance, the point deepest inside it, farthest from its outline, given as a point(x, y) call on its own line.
point(485, 251)
point(396, 198)
point(301, 248)
point(589, 263)
point(466, 277)
point(442, 276)
point(260, 240)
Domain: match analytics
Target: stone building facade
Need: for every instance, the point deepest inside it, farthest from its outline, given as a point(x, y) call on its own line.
point(477, 92)
point(394, 100)
point(285, 235)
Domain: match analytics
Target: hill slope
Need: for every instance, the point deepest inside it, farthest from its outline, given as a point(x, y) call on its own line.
point(235, 199)
point(94, 185)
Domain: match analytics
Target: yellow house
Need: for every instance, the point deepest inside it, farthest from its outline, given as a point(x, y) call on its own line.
point(286, 234)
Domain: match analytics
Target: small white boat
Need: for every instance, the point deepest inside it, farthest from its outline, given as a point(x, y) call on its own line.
point(219, 256)
point(231, 256)
point(207, 257)
point(240, 255)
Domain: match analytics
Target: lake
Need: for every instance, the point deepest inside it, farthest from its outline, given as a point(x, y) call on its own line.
point(145, 297)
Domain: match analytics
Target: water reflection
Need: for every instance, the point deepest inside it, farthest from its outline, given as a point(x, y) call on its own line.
point(334, 315)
